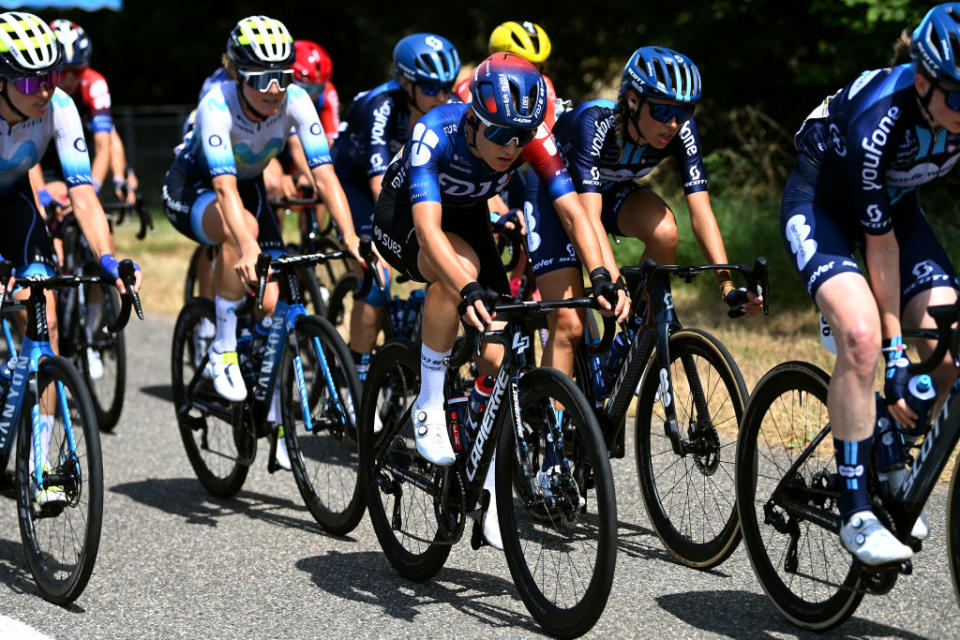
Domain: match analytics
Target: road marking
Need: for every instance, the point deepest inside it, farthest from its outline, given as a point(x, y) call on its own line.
point(11, 629)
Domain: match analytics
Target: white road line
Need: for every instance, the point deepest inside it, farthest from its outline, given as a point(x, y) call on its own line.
point(11, 629)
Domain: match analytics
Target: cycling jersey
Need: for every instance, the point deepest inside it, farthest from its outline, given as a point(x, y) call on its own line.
point(23, 144)
point(214, 79)
point(463, 90)
point(328, 106)
point(375, 128)
point(597, 160)
point(93, 102)
point(224, 141)
point(873, 146)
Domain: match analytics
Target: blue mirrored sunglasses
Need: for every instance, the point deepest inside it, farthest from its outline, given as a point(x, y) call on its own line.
point(951, 97)
point(667, 112)
point(433, 87)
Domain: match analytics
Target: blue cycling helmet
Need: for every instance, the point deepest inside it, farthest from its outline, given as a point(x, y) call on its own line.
point(935, 44)
point(507, 90)
point(658, 72)
point(426, 57)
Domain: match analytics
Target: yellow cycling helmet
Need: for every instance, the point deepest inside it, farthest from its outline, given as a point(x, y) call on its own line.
point(526, 39)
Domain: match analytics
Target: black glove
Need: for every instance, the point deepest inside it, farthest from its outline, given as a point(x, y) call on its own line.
point(603, 286)
point(500, 223)
point(735, 299)
point(471, 293)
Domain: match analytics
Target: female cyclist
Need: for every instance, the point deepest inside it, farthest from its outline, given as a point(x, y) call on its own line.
point(214, 192)
point(607, 146)
point(377, 125)
point(431, 223)
point(861, 156)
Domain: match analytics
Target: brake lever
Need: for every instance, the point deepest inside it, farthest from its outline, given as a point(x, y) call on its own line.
point(128, 276)
point(263, 272)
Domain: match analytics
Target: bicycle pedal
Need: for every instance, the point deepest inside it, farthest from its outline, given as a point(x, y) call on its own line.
point(916, 544)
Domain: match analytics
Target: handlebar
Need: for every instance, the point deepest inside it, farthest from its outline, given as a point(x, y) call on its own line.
point(947, 338)
point(289, 203)
point(140, 206)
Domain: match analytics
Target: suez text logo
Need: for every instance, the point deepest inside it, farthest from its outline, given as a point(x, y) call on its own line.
point(520, 344)
point(387, 241)
point(873, 147)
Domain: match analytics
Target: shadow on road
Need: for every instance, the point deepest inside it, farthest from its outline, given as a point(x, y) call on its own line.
point(741, 614)
point(186, 498)
point(15, 575)
point(368, 577)
point(162, 391)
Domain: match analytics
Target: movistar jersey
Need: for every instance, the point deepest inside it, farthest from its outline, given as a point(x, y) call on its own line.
point(24, 143)
point(224, 141)
point(375, 128)
point(597, 160)
point(437, 165)
point(873, 146)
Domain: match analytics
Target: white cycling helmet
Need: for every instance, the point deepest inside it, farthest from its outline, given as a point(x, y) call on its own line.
point(28, 47)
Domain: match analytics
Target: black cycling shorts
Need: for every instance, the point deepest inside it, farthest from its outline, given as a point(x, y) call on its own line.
point(24, 240)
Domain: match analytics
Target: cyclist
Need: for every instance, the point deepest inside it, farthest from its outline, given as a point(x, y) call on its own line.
point(214, 192)
point(36, 113)
point(377, 124)
point(607, 146)
point(431, 223)
point(313, 71)
point(861, 156)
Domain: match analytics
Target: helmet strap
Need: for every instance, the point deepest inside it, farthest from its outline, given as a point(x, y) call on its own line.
point(474, 123)
point(632, 117)
point(246, 103)
point(924, 102)
point(412, 96)
point(6, 98)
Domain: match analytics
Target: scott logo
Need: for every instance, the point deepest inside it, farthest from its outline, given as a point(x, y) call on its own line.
point(923, 268)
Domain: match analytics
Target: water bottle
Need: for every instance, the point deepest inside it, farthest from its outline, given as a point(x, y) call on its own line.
point(596, 372)
point(457, 417)
point(479, 396)
point(887, 442)
point(618, 351)
point(920, 396)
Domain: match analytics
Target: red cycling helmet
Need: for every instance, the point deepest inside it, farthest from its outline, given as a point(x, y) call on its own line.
point(312, 65)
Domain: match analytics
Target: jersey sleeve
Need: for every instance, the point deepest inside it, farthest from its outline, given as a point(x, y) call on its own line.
point(304, 118)
point(213, 129)
point(687, 151)
point(425, 149)
point(375, 121)
point(68, 137)
point(867, 162)
point(544, 158)
point(330, 111)
point(462, 89)
point(589, 134)
point(96, 95)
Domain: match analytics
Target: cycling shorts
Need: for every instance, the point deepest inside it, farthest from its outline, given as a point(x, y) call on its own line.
point(821, 245)
point(24, 240)
point(185, 200)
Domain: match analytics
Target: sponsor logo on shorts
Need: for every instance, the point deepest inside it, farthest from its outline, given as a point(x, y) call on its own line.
point(801, 244)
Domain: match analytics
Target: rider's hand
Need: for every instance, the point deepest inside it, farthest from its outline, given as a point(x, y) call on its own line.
point(612, 297)
point(740, 301)
point(895, 381)
point(352, 244)
point(246, 267)
point(111, 268)
point(133, 186)
point(476, 305)
point(288, 188)
point(510, 220)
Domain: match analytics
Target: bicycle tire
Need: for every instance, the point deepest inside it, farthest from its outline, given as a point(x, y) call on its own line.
point(336, 304)
point(323, 460)
point(190, 280)
point(107, 391)
point(328, 273)
point(794, 392)
point(953, 530)
point(675, 486)
point(221, 468)
point(392, 384)
point(563, 615)
point(312, 295)
point(72, 525)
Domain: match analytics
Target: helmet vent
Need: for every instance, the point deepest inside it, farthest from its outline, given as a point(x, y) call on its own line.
point(954, 14)
point(516, 40)
point(536, 43)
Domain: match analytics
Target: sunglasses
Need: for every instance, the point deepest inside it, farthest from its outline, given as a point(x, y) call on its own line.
point(951, 97)
point(433, 87)
point(261, 80)
point(33, 84)
point(667, 112)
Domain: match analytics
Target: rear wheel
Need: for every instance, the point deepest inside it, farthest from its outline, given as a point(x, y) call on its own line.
point(218, 438)
point(60, 522)
point(103, 358)
point(953, 530)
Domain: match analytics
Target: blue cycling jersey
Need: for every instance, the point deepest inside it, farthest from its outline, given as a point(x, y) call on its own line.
point(375, 128)
point(438, 166)
point(225, 141)
point(872, 146)
point(24, 143)
point(597, 160)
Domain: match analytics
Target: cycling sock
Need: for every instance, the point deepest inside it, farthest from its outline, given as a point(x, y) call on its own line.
point(362, 360)
point(432, 372)
point(206, 329)
point(226, 336)
point(853, 460)
point(93, 314)
point(46, 432)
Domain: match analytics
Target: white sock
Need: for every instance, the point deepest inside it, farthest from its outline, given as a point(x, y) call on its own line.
point(226, 338)
point(93, 314)
point(274, 414)
point(206, 329)
point(46, 433)
point(432, 373)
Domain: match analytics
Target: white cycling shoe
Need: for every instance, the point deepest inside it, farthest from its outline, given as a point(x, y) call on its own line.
point(224, 370)
point(871, 542)
point(283, 457)
point(921, 528)
point(94, 364)
point(430, 430)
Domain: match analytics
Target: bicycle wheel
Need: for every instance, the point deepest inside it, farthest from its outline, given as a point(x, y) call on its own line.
point(341, 297)
point(560, 543)
point(61, 537)
point(313, 295)
point(402, 513)
point(811, 579)
point(107, 388)
point(328, 273)
point(953, 530)
point(323, 458)
point(217, 438)
point(690, 498)
point(190, 281)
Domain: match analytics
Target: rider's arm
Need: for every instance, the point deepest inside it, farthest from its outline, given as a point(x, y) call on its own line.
point(301, 167)
point(883, 264)
point(707, 232)
point(102, 147)
point(593, 204)
point(435, 244)
point(92, 220)
point(231, 207)
point(122, 174)
point(35, 175)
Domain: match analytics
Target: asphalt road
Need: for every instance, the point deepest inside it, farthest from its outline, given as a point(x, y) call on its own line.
point(177, 563)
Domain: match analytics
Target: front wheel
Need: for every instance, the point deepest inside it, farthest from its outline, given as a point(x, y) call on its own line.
point(60, 519)
point(802, 566)
point(953, 530)
point(103, 357)
point(689, 496)
point(560, 540)
point(323, 456)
